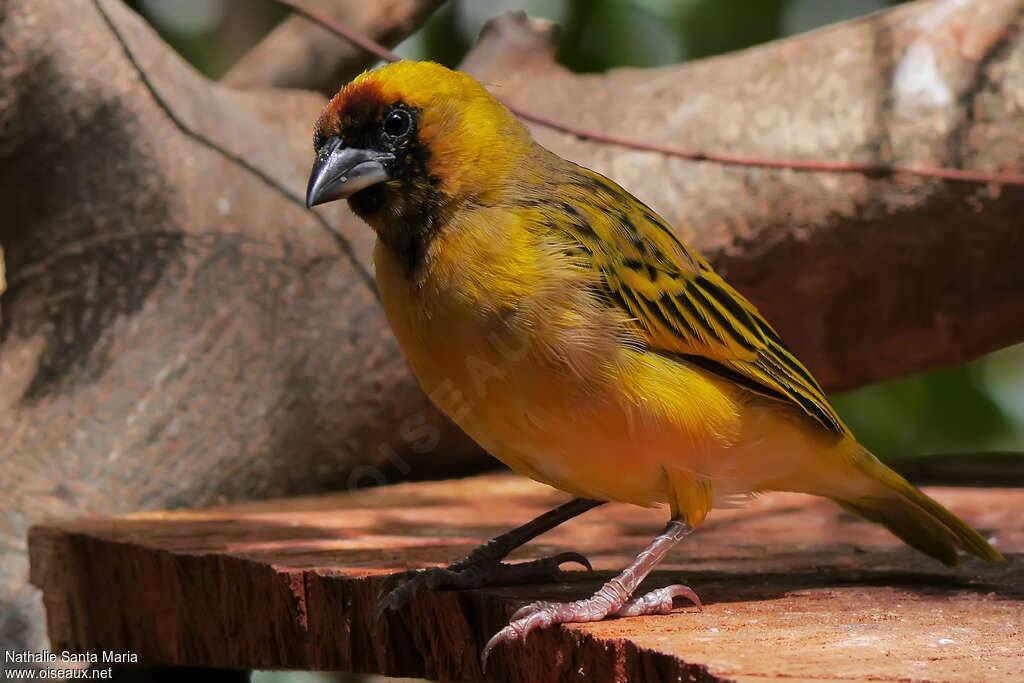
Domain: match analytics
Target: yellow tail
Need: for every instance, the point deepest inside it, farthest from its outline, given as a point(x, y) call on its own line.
point(915, 518)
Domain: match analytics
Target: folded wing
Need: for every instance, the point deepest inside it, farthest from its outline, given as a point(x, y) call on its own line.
point(679, 303)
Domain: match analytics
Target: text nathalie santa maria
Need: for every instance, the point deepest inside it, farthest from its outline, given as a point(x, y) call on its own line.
point(66, 657)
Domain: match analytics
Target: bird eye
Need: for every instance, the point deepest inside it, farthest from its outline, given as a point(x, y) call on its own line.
point(397, 123)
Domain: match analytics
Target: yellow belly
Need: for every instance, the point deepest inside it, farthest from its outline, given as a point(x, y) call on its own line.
point(632, 426)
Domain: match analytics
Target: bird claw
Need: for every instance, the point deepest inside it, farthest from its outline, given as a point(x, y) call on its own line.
point(553, 564)
point(658, 601)
point(462, 575)
point(518, 628)
point(411, 582)
point(542, 613)
point(400, 578)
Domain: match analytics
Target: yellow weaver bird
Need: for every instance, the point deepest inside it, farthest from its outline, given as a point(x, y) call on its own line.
point(565, 327)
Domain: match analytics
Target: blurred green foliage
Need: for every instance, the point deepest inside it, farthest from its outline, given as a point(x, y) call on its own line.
point(949, 411)
point(975, 407)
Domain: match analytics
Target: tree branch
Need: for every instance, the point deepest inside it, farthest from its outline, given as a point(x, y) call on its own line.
point(300, 54)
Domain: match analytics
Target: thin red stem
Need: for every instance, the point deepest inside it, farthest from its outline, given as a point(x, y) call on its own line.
point(955, 174)
point(337, 29)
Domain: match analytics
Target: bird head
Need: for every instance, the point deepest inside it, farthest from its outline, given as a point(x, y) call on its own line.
point(409, 141)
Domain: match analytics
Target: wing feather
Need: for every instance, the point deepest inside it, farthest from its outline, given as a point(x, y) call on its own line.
point(680, 304)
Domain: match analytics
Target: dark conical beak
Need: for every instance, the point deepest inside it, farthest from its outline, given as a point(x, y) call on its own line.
point(340, 172)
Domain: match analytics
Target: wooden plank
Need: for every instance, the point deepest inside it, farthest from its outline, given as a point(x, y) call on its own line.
point(792, 586)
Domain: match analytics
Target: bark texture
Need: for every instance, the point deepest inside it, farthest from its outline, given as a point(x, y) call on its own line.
point(178, 329)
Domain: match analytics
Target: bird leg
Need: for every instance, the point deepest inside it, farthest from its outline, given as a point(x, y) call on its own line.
point(484, 566)
point(612, 599)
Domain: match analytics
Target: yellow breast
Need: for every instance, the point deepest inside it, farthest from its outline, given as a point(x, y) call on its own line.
point(540, 376)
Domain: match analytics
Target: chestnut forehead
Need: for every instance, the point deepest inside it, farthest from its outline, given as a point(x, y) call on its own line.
point(359, 103)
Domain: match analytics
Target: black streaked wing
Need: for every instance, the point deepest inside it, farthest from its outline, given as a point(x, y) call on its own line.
point(680, 304)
